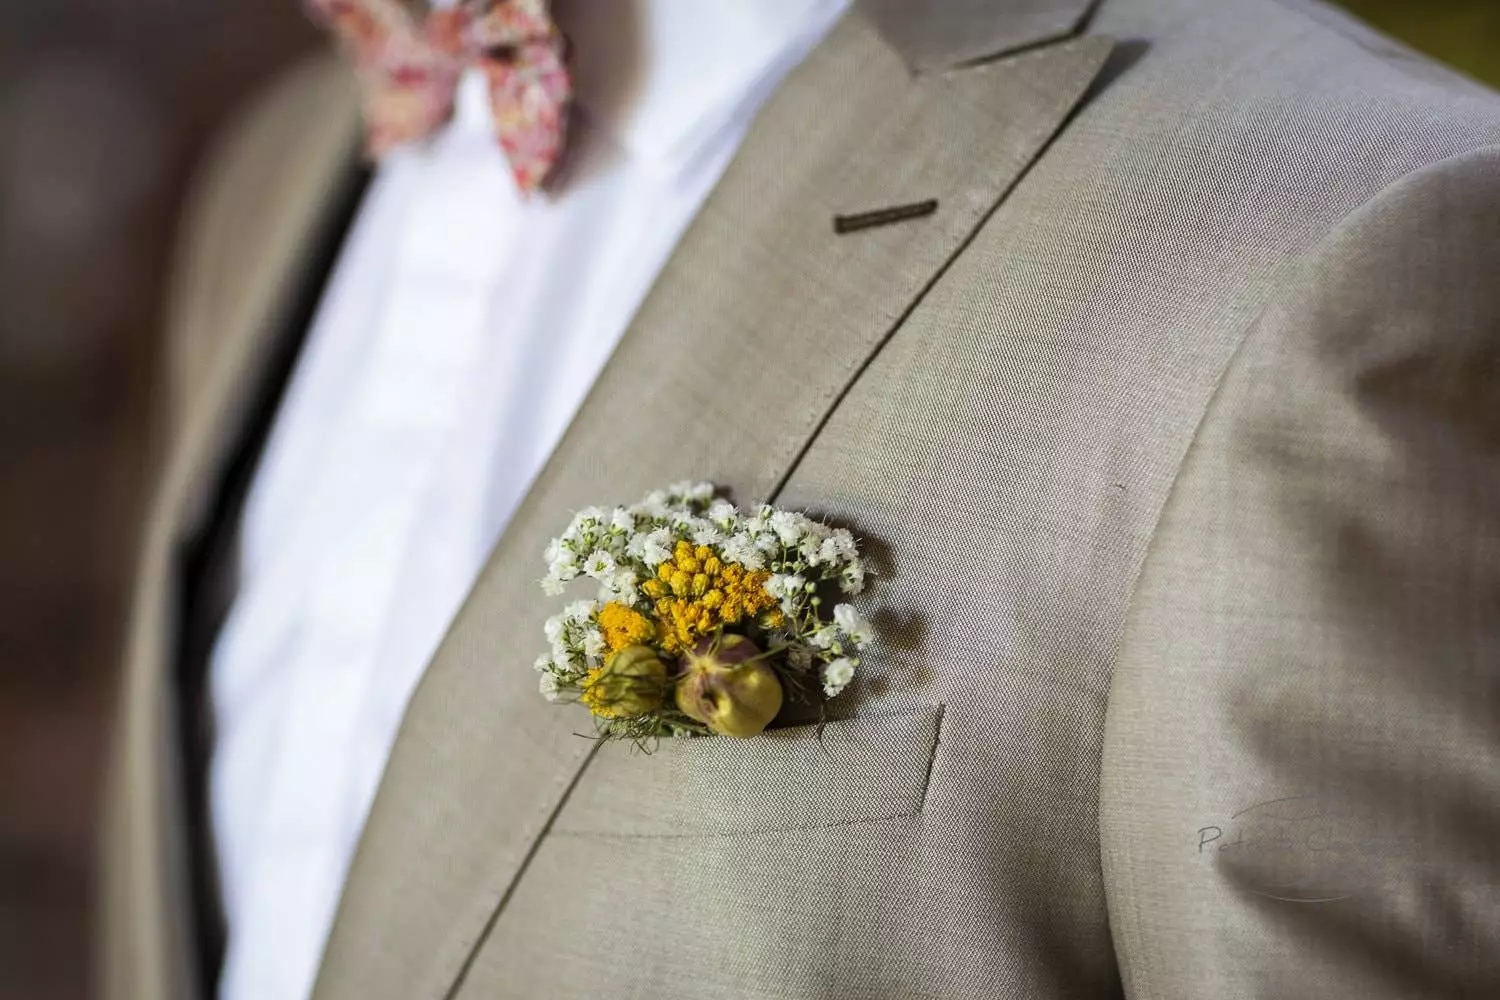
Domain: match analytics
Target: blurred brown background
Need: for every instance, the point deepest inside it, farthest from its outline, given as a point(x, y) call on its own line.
point(104, 106)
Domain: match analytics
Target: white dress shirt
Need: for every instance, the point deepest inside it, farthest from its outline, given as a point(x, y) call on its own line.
point(460, 329)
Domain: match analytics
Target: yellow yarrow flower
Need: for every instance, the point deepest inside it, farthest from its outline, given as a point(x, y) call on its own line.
point(695, 593)
point(624, 626)
point(593, 694)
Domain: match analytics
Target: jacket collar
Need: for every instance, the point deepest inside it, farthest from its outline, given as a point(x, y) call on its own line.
point(938, 34)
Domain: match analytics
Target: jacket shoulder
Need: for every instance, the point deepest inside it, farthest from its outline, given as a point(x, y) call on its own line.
point(1299, 70)
point(1306, 621)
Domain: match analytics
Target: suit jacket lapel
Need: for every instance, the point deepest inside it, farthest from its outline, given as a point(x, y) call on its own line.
point(760, 321)
point(248, 251)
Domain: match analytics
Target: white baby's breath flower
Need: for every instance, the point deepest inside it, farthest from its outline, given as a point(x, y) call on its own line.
point(656, 504)
point(548, 685)
point(852, 578)
point(636, 547)
point(690, 492)
point(600, 566)
point(621, 587)
point(580, 612)
point(785, 586)
point(689, 526)
point(553, 628)
point(836, 675)
point(622, 520)
point(708, 534)
point(838, 547)
point(723, 513)
point(585, 523)
point(799, 657)
point(789, 527)
point(553, 586)
point(741, 549)
point(826, 637)
point(544, 664)
point(593, 643)
point(652, 548)
point(852, 623)
point(562, 561)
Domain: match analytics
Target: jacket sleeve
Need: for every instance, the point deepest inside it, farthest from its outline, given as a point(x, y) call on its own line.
point(1301, 774)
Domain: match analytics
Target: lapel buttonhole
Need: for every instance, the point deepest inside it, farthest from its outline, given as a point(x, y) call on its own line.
point(843, 224)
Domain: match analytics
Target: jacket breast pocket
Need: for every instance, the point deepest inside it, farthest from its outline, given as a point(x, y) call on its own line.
point(856, 770)
point(786, 866)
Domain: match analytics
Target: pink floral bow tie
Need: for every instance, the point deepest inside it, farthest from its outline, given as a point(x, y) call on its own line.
point(408, 69)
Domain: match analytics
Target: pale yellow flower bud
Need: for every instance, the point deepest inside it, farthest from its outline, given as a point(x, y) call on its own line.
point(632, 682)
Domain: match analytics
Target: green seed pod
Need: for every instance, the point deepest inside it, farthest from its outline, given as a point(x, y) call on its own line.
point(632, 682)
point(727, 687)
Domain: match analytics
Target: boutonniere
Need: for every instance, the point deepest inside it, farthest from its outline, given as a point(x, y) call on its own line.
point(707, 618)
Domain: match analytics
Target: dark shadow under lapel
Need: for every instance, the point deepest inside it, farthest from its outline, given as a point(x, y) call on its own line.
point(759, 323)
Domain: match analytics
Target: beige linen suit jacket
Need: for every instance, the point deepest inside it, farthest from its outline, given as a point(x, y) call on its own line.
point(1175, 432)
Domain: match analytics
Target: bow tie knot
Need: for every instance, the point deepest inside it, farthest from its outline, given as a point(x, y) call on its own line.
point(408, 69)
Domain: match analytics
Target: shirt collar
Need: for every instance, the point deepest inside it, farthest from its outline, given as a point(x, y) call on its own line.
point(664, 78)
